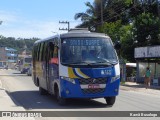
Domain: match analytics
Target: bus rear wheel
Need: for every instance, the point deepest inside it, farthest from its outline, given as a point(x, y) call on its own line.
point(60, 100)
point(110, 100)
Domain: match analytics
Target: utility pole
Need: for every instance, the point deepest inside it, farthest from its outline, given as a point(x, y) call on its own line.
point(25, 49)
point(65, 22)
point(101, 12)
point(158, 8)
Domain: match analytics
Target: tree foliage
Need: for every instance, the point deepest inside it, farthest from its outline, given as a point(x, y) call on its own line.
point(135, 23)
point(112, 29)
point(89, 17)
point(147, 25)
point(18, 43)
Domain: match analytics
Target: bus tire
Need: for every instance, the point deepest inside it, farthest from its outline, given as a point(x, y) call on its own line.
point(43, 91)
point(110, 100)
point(60, 100)
point(36, 82)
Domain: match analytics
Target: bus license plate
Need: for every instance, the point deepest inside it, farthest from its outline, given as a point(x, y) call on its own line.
point(93, 86)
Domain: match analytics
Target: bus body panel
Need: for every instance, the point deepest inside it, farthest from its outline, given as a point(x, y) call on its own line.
point(75, 91)
point(92, 76)
point(40, 74)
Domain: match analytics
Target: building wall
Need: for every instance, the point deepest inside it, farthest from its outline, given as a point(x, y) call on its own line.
point(8, 55)
point(11, 55)
point(3, 54)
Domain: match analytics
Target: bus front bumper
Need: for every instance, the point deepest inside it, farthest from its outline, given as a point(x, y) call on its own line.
point(70, 90)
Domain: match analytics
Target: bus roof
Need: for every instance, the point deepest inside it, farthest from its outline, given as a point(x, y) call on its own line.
point(76, 33)
point(83, 34)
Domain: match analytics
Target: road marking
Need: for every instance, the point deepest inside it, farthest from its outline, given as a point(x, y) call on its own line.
point(1, 88)
point(0, 84)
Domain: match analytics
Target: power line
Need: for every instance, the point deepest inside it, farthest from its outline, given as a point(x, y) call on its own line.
point(109, 18)
point(116, 10)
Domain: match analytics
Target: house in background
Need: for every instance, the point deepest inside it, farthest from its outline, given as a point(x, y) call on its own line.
point(8, 56)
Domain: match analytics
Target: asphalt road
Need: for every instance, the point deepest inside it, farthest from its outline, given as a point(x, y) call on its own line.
point(24, 93)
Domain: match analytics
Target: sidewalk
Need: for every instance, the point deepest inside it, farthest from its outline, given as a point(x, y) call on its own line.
point(132, 86)
point(6, 103)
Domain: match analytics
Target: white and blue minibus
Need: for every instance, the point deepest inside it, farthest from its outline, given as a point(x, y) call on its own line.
point(77, 64)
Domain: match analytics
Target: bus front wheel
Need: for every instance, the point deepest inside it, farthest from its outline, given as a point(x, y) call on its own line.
point(61, 101)
point(110, 100)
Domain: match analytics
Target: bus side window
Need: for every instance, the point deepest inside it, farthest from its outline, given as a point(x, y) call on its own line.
point(38, 51)
point(55, 53)
point(56, 48)
point(41, 52)
point(51, 47)
point(45, 51)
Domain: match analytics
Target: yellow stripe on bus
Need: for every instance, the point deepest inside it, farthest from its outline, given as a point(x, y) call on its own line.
point(71, 73)
point(81, 74)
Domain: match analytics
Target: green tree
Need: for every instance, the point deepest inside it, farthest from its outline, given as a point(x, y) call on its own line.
point(112, 10)
point(124, 34)
point(134, 22)
point(128, 43)
point(117, 10)
point(147, 25)
point(112, 29)
point(17, 44)
point(88, 18)
point(92, 17)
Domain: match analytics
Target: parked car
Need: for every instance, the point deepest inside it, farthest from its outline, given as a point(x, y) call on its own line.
point(29, 72)
point(1, 67)
point(4, 67)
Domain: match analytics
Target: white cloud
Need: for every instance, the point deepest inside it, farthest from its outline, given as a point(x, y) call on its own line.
point(8, 16)
point(16, 26)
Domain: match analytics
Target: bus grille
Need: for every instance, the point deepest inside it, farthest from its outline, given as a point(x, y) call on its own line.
point(84, 81)
point(92, 81)
point(93, 91)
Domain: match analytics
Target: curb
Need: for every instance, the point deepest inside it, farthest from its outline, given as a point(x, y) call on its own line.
point(1, 88)
point(141, 86)
point(7, 103)
point(0, 84)
point(6, 98)
point(141, 90)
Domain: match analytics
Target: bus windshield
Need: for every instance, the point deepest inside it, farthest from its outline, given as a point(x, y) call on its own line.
point(83, 51)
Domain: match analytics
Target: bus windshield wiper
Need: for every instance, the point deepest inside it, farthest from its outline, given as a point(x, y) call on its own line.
point(114, 63)
point(102, 62)
point(78, 63)
point(105, 62)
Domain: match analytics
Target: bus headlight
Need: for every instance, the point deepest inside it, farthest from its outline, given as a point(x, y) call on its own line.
point(68, 79)
point(115, 78)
